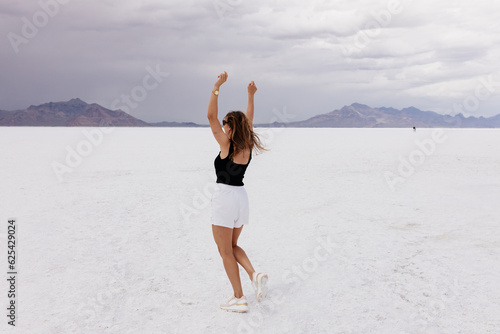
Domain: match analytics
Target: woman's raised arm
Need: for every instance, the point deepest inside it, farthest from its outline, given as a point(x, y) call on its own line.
point(212, 116)
point(250, 108)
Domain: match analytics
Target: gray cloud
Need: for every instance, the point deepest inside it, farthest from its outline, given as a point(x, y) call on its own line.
point(310, 57)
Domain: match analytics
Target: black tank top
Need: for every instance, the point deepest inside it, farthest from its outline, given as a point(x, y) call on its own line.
point(228, 172)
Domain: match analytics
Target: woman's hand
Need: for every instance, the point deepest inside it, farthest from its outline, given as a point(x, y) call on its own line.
point(252, 88)
point(222, 78)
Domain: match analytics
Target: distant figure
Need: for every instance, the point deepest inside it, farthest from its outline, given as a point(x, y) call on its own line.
point(414, 129)
point(230, 202)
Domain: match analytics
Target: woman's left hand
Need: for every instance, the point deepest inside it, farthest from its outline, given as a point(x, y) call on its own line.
point(252, 88)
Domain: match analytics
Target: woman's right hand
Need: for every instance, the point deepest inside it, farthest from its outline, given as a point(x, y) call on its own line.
point(221, 80)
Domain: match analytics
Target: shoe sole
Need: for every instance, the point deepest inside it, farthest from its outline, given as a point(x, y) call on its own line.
point(237, 311)
point(263, 288)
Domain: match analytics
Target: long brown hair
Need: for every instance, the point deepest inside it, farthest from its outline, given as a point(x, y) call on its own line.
point(242, 134)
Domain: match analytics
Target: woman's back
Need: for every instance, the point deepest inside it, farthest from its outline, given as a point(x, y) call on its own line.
point(242, 158)
point(232, 171)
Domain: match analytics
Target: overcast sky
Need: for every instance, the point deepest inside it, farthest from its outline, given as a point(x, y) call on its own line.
point(306, 57)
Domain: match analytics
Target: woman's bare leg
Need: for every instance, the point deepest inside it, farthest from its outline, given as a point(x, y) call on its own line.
point(224, 239)
point(240, 254)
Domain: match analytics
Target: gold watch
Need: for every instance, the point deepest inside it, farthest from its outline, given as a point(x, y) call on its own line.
point(215, 92)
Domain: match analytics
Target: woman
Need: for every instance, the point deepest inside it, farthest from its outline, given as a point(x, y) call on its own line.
point(230, 202)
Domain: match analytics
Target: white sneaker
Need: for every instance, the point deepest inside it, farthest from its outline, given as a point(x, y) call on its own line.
point(234, 304)
point(259, 283)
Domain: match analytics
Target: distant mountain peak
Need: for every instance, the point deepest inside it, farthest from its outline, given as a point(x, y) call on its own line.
point(76, 101)
point(73, 103)
point(411, 109)
point(359, 105)
point(74, 112)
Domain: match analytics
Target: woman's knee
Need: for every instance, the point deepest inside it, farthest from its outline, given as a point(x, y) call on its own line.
point(226, 252)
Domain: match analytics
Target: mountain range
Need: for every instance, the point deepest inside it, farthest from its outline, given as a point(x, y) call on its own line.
point(362, 116)
point(76, 112)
